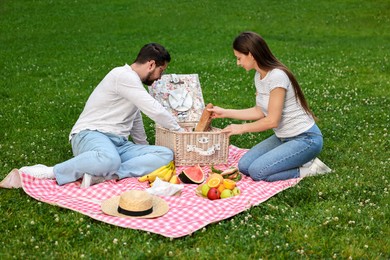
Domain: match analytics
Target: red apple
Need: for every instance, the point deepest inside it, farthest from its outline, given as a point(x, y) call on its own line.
point(214, 194)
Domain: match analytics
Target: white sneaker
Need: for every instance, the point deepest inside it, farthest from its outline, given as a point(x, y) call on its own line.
point(316, 167)
point(89, 180)
point(39, 171)
point(308, 164)
point(319, 167)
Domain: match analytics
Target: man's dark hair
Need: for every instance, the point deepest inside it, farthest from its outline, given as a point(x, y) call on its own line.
point(153, 51)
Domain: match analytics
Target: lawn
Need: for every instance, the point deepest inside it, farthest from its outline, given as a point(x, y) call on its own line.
point(53, 53)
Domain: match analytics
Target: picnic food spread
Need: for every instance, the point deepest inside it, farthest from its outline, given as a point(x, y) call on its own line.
point(165, 173)
point(192, 175)
point(220, 184)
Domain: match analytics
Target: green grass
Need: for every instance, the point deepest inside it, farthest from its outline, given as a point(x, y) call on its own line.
point(53, 53)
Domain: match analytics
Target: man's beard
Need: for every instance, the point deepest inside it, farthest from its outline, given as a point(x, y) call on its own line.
point(148, 81)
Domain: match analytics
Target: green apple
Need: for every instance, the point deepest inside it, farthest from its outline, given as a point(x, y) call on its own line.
point(226, 193)
point(236, 191)
point(205, 189)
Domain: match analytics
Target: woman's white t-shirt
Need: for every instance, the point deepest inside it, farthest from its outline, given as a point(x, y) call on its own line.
point(294, 119)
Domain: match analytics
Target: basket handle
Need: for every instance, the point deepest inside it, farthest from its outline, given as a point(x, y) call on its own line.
point(210, 151)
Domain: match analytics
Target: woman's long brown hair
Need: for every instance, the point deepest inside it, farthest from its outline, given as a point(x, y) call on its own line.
point(251, 42)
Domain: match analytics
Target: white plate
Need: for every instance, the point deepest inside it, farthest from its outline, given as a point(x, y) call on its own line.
point(180, 100)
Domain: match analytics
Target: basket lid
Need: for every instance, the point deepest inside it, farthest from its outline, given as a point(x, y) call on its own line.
point(181, 95)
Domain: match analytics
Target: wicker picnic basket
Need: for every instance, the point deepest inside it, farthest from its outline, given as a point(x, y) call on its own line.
point(181, 94)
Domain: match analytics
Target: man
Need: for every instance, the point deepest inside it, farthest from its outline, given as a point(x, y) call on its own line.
point(112, 113)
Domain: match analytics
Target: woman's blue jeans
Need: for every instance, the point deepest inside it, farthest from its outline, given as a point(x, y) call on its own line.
point(109, 156)
point(277, 159)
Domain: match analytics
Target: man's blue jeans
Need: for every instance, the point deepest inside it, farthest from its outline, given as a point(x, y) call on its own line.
point(280, 158)
point(107, 155)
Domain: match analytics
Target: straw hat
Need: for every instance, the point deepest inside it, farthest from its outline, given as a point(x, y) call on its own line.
point(135, 204)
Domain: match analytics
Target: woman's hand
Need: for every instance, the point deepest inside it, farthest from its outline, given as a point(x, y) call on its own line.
point(217, 112)
point(234, 129)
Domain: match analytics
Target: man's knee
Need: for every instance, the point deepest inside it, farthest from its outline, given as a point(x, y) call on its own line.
point(108, 162)
point(166, 153)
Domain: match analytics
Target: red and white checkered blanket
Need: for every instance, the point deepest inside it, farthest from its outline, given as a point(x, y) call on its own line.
point(187, 212)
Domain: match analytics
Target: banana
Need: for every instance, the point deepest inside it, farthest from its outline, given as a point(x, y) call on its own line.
point(171, 172)
point(160, 172)
point(172, 165)
point(168, 175)
point(143, 178)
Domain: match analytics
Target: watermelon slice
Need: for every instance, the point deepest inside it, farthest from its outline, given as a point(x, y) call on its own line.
point(192, 175)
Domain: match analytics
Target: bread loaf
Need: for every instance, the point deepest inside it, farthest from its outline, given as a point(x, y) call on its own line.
point(205, 120)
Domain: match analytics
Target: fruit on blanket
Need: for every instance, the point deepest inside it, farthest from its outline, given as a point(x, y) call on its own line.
point(160, 175)
point(174, 179)
point(216, 192)
point(167, 177)
point(221, 187)
point(205, 189)
point(214, 182)
point(226, 193)
point(213, 194)
point(164, 172)
point(229, 184)
point(215, 175)
point(192, 175)
point(236, 191)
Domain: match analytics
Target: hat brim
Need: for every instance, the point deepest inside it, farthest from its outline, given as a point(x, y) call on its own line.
point(110, 207)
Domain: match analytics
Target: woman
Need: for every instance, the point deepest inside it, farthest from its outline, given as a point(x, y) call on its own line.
point(280, 105)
